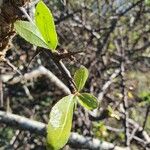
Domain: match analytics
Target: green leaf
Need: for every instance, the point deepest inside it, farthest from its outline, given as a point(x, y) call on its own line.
point(45, 23)
point(112, 113)
point(145, 96)
point(80, 77)
point(60, 123)
point(88, 101)
point(30, 33)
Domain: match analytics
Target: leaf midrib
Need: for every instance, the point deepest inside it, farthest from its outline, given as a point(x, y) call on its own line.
point(41, 37)
point(65, 117)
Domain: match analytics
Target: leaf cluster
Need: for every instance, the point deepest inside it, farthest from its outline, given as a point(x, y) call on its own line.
point(60, 122)
point(42, 33)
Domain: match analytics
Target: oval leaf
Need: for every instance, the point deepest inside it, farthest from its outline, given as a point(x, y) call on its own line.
point(88, 101)
point(60, 123)
point(80, 77)
point(45, 23)
point(30, 33)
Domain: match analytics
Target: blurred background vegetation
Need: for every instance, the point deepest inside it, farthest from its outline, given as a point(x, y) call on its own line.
point(111, 34)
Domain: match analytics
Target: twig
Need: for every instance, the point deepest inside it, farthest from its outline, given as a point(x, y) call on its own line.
point(12, 66)
point(76, 140)
point(140, 132)
point(1, 93)
point(140, 136)
point(22, 123)
point(133, 133)
point(113, 25)
point(27, 91)
point(114, 129)
point(146, 116)
point(95, 114)
point(65, 72)
point(120, 49)
point(107, 84)
point(23, 10)
point(14, 138)
point(40, 71)
point(130, 7)
point(140, 141)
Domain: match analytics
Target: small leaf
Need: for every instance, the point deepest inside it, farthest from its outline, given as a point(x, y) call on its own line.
point(112, 113)
point(30, 33)
point(45, 23)
point(80, 77)
point(88, 101)
point(60, 123)
point(145, 96)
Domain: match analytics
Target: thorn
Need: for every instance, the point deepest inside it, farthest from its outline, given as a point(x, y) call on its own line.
point(12, 66)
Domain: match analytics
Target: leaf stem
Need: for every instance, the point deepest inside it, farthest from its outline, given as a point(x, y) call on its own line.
point(65, 72)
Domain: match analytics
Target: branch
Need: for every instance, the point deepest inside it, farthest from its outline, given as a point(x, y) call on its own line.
point(107, 84)
point(76, 140)
point(130, 7)
point(146, 116)
point(64, 71)
point(97, 114)
point(54, 56)
point(119, 47)
point(40, 71)
point(22, 123)
point(138, 133)
point(113, 24)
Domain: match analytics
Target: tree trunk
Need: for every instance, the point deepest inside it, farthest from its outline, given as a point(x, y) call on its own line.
point(9, 13)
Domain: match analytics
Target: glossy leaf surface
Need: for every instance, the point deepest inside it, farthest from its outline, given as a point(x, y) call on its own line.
point(45, 23)
point(60, 123)
point(88, 101)
point(80, 77)
point(30, 33)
